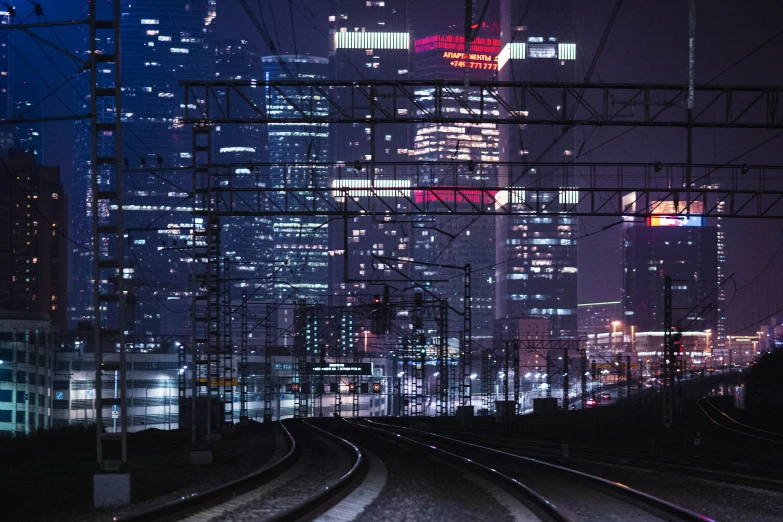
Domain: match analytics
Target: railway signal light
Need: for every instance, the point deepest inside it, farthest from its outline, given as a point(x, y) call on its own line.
point(351, 386)
point(376, 387)
point(295, 387)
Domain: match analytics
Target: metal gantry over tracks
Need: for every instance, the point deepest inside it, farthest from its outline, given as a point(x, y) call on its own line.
point(520, 103)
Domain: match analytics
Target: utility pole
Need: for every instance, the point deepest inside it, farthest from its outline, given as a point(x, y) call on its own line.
point(505, 379)
point(111, 483)
point(583, 375)
point(566, 377)
point(466, 352)
point(268, 366)
point(691, 95)
point(668, 356)
point(517, 383)
point(442, 380)
point(243, 381)
point(548, 376)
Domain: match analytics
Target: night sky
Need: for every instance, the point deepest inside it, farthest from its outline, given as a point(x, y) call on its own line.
point(648, 44)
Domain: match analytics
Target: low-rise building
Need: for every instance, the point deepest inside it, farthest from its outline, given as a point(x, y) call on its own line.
point(26, 347)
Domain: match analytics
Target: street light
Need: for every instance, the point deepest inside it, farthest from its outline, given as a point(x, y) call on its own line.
point(615, 324)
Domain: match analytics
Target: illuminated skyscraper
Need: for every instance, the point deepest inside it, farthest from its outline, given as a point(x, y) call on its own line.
point(163, 41)
point(300, 242)
point(6, 131)
point(684, 248)
point(368, 41)
point(246, 241)
point(29, 136)
point(467, 154)
point(536, 255)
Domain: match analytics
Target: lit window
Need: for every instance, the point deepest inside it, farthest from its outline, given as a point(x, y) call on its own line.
point(149, 21)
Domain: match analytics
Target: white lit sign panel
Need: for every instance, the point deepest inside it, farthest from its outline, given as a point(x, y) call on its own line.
point(676, 221)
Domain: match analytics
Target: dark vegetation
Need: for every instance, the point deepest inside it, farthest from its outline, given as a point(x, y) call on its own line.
point(48, 475)
point(764, 381)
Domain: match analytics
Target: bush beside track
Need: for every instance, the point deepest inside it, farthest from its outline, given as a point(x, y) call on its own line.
point(56, 467)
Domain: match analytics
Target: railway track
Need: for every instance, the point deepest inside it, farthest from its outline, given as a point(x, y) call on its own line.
point(551, 491)
point(728, 472)
point(339, 470)
point(725, 421)
point(316, 471)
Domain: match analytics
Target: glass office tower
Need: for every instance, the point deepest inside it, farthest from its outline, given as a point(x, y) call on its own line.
point(536, 254)
point(163, 42)
point(300, 242)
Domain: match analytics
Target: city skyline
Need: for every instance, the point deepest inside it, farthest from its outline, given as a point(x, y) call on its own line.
point(594, 248)
point(238, 238)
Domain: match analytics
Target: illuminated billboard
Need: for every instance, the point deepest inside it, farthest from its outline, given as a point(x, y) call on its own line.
point(338, 368)
point(667, 213)
point(676, 221)
point(455, 195)
point(457, 43)
point(472, 60)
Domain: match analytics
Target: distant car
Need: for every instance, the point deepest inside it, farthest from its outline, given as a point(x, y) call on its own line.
point(591, 403)
point(606, 396)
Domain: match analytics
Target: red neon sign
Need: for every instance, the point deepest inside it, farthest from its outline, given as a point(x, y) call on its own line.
point(472, 60)
point(452, 195)
point(457, 43)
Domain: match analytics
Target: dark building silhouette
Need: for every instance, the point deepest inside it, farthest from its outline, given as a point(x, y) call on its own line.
point(33, 244)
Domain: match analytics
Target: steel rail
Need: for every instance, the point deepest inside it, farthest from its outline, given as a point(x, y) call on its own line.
point(330, 491)
point(678, 465)
point(735, 421)
point(194, 500)
point(541, 505)
point(698, 403)
point(613, 487)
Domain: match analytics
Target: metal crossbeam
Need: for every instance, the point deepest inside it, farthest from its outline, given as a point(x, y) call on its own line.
point(578, 189)
point(526, 103)
point(494, 201)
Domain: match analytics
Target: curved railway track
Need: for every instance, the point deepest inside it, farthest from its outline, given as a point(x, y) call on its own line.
point(573, 495)
point(725, 421)
point(312, 475)
point(727, 472)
